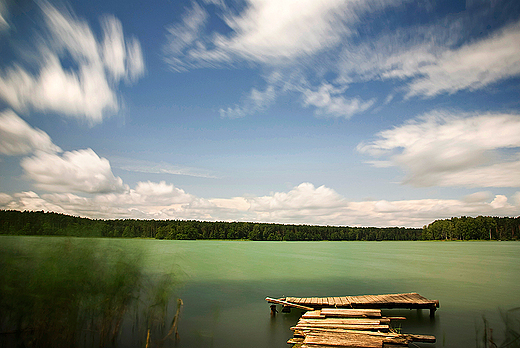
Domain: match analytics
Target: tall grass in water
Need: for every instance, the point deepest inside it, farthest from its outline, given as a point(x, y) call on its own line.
point(80, 294)
point(511, 333)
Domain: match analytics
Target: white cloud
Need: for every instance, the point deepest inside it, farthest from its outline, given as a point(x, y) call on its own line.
point(329, 101)
point(472, 66)
point(434, 58)
point(148, 200)
point(336, 38)
point(268, 32)
point(5, 199)
point(516, 198)
point(89, 92)
point(74, 171)
point(482, 196)
point(303, 196)
point(18, 138)
point(304, 204)
point(273, 30)
point(31, 201)
point(3, 16)
point(446, 149)
point(182, 35)
point(256, 101)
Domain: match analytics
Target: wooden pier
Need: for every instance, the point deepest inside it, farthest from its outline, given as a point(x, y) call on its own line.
point(353, 321)
point(408, 301)
point(343, 327)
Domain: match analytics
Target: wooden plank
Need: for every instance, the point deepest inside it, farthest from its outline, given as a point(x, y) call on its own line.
point(345, 340)
point(375, 299)
point(340, 301)
point(348, 312)
point(395, 341)
point(403, 300)
point(341, 331)
point(376, 327)
point(295, 340)
point(285, 303)
point(420, 338)
point(313, 314)
point(347, 301)
point(341, 321)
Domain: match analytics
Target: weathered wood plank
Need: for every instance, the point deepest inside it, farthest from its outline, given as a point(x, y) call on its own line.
point(342, 301)
point(295, 340)
point(337, 302)
point(345, 340)
point(348, 312)
point(313, 314)
point(343, 321)
point(376, 327)
point(285, 303)
point(420, 338)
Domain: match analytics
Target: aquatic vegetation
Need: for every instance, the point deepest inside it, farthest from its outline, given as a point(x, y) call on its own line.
point(511, 334)
point(77, 294)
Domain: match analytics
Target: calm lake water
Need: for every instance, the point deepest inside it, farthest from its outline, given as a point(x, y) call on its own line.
point(224, 283)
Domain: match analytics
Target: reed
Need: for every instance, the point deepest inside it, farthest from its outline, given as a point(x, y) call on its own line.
point(77, 294)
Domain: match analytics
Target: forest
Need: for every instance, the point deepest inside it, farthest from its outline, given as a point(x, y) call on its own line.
point(54, 224)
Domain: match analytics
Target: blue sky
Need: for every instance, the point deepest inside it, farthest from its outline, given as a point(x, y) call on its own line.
point(360, 113)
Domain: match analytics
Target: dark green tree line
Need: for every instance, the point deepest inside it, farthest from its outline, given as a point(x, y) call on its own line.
point(469, 228)
point(457, 228)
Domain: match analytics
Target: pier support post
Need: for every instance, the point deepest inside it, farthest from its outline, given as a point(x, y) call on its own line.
point(273, 310)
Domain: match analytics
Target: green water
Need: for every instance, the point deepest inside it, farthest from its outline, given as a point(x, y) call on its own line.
point(224, 283)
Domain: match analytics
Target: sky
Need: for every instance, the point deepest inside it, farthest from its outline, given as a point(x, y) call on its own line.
point(331, 112)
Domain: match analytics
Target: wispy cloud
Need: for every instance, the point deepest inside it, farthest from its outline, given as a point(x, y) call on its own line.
point(422, 60)
point(254, 102)
point(472, 66)
point(267, 32)
point(329, 101)
point(273, 36)
point(4, 25)
point(182, 36)
point(449, 149)
point(141, 166)
point(88, 93)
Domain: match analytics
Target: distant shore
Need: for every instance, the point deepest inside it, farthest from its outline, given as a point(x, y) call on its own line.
point(41, 223)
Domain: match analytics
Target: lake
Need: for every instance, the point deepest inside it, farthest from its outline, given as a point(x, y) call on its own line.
point(223, 284)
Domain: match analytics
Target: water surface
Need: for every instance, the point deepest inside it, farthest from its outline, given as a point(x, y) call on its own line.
point(224, 283)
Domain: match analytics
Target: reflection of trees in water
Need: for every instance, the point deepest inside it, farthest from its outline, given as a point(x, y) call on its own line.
point(70, 294)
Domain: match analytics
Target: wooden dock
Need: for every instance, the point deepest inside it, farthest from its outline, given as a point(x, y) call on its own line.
point(343, 327)
point(408, 301)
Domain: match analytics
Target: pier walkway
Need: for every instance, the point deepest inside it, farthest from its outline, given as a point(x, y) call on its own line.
point(408, 301)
